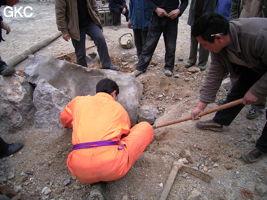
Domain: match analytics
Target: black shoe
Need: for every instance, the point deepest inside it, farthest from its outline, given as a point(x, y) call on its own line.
point(7, 70)
point(209, 125)
point(12, 148)
point(252, 156)
point(254, 112)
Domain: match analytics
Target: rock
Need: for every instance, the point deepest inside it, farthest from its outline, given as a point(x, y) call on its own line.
point(195, 195)
point(229, 166)
point(15, 103)
point(18, 188)
point(186, 79)
point(226, 84)
point(11, 175)
point(49, 102)
point(254, 138)
point(176, 76)
point(125, 197)
point(148, 113)
point(261, 189)
point(183, 161)
point(215, 165)
point(153, 62)
point(77, 187)
point(161, 185)
point(46, 191)
point(66, 182)
point(193, 69)
point(186, 154)
point(74, 80)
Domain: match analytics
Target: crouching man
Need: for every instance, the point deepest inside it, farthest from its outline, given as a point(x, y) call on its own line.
point(104, 145)
point(238, 47)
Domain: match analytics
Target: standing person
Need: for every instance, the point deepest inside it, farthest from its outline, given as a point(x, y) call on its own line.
point(245, 9)
point(248, 8)
point(241, 51)
point(76, 19)
point(118, 7)
point(104, 145)
point(198, 8)
point(9, 149)
point(223, 7)
point(140, 13)
point(164, 20)
point(5, 70)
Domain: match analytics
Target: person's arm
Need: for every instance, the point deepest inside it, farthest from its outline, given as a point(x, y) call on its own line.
point(66, 116)
point(94, 6)
point(61, 18)
point(235, 9)
point(179, 11)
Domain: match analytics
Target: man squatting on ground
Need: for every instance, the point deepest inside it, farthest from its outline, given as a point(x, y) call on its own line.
point(75, 19)
point(164, 20)
point(104, 144)
point(238, 47)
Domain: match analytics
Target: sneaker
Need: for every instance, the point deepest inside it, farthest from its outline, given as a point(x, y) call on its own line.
point(168, 72)
point(252, 156)
point(254, 112)
point(7, 71)
point(12, 148)
point(202, 67)
point(188, 65)
point(209, 125)
point(137, 72)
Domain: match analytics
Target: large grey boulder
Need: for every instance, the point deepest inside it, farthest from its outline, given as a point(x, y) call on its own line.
point(73, 80)
point(16, 108)
point(49, 102)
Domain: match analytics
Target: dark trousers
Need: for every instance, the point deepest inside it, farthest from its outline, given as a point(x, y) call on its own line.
point(203, 53)
point(139, 40)
point(3, 147)
point(116, 12)
point(169, 29)
point(2, 65)
point(95, 32)
point(247, 78)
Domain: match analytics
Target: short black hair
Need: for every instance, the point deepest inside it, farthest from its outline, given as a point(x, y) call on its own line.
point(209, 24)
point(107, 85)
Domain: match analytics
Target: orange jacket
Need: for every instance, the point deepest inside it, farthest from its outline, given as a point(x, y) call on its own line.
point(96, 118)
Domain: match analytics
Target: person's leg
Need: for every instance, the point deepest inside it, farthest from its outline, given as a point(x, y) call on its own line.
point(170, 36)
point(262, 141)
point(95, 32)
point(139, 138)
point(138, 40)
point(203, 58)
point(116, 12)
point(247, 78)
point(79, 47)
point(193, 51)
point(150, 45)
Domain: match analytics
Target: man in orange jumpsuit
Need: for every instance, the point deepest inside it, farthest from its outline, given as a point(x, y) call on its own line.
point(104, 145)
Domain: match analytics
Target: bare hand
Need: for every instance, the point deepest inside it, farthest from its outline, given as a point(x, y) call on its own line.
point(123, 11)
point(197, 110)
point(66, 37)
point(174, 13)
point(250, 98)
point(6, 28)
point(161, 12)
point(130, 24)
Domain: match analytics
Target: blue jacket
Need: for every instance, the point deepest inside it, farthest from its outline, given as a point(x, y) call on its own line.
point(223, 8)
point(140, 13)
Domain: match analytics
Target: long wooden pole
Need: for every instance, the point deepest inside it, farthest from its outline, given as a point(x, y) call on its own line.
point(208, 111)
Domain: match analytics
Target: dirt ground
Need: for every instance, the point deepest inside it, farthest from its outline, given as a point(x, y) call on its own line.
point(39, 171)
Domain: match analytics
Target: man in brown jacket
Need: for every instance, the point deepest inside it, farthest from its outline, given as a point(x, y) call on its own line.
point(241, 51)
point(75, 19)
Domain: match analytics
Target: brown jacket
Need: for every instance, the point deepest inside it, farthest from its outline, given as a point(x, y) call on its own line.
point(249, 44)
point(67, 16)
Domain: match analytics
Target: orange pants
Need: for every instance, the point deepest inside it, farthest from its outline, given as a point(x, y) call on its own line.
point(108, 163)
